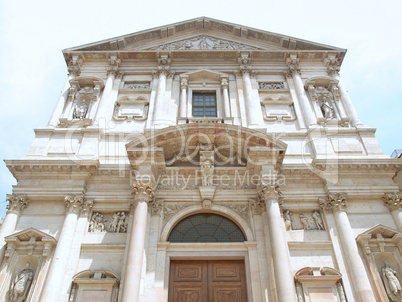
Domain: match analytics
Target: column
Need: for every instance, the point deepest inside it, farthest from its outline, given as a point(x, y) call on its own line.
point(163, 70)
point(333, 68)
point(294, 72)
point(336, 203)
point(143, 193)
point(394, 203)
point(253, 107)
point(54, 279)
point(16, 204)
point(106, 100)
point(285, 287)
point(225, 93)
point(58, 110)
point(183, 98)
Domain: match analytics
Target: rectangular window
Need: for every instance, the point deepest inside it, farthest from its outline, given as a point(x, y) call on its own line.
point(204, 105)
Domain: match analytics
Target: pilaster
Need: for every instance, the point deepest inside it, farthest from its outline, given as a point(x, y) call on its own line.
point(394, 203)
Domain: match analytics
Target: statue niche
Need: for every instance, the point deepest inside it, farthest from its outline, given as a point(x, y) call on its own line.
point(82, 101)
point(21, 284)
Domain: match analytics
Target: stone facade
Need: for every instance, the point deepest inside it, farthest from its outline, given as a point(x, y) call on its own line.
point(278, 152)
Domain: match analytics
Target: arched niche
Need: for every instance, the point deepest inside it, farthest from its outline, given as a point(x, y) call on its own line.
point(217, 210)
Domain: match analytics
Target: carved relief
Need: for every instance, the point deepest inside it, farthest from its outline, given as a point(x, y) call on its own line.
point(156, 207)
point(137, 86)
point(203, 42)
point(169, 210)
point(130, 109)
point(143, 192)
point(83, 99)
point(303, 221)
point(271, 85)
point(392, 201)
point(77, 204)
point(112, 223)
point(243, 209)
point(21, 284)
point(334, 202)
point(257, 207)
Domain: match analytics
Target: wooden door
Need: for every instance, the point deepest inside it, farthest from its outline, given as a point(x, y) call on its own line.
point(207, 281)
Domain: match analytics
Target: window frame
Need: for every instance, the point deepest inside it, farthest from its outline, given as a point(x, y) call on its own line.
point(205, 106)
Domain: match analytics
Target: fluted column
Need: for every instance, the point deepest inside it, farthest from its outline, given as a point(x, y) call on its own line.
point(54, 280)
point(285, 287)
point(225, 93)
point(333, 71)
point(294, 72)
point(143, 194)
point(394, 203)
point(16, 204)
point(183, 98)
point(336, 203)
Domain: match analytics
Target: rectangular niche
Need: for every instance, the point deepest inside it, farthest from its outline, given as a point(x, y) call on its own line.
point(131, 109)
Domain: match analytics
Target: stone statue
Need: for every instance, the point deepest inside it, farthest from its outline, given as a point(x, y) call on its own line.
point(207, 171)
point(304, 222)
point(288, 220)
point(326, 108)
point(121, 226)
point(115, 220)
point(80, 110)
point(391, 279)
point(318, 220)
point(22, 282)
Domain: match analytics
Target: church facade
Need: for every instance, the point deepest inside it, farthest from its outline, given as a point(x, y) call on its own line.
point(203, 161)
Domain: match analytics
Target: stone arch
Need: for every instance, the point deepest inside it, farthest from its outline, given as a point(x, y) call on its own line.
point(215, 209)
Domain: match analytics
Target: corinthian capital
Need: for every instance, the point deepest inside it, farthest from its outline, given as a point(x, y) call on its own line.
point(267, 192)
point(74, 66)
point(335, 202)
point(16, 203)
point(333, 66)
point(77, 204)
point(293, 64)
point(143, 192)
point(392, 201)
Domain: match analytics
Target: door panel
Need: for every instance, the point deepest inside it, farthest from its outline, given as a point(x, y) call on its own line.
point(207, 281)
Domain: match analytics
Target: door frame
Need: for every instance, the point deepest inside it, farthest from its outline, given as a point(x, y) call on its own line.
point(246, 251)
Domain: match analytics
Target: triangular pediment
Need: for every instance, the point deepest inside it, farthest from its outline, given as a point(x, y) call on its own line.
point(28, 234)
point(203, 34)
point(384, 231)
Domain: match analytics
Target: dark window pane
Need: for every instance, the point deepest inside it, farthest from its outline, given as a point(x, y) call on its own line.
point(206, 228)
point(204, 105)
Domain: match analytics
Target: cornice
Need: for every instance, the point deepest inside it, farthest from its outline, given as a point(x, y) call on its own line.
point(26, 165)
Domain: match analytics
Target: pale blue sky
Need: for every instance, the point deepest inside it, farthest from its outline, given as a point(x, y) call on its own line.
point(33, 71)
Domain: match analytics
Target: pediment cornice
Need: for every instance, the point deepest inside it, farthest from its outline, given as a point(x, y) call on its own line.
point(232, 36)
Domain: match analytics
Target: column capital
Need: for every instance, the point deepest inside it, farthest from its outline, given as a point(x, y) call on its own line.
point(156, 206)
point(16, 203)
point(114, 64)
point(224, 83)
point(293, 63)
point(267, 192)
point(143, 192)
point(334, 202)
point(392, 201)
point(333, 65)
point(77, 204)
point(183, 83)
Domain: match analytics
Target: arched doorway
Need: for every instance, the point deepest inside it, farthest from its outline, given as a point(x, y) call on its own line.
point(207, 280)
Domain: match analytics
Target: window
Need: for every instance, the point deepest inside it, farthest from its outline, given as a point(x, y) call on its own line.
point(206, 228)
point(204, 105)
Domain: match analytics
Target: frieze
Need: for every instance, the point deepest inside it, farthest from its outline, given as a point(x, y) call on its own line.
point(111, 223)
point(303, 220)
point(203, 42)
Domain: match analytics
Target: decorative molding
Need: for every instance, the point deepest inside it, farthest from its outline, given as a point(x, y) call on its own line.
point(203, 42)
point(392, 201)
point(267, 192)
point(74, 66)
point(130, 109)
point(169, 210)
point(271, 85)
point(114, 64)
point(111, 223)
point(17, 203)
point(243, 209)
point(156, 207)
point(137, 85)
point(77, 204)
point(334, 202)
point(333, 65)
